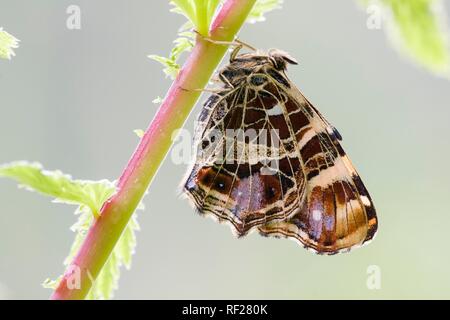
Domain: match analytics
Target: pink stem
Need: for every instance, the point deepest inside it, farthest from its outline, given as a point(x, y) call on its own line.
point(154, 145)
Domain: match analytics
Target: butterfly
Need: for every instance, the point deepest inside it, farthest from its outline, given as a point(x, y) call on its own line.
point(268, 160)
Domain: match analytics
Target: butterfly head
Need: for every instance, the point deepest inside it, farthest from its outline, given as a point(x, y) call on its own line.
point(243, 67)
point(280, 59)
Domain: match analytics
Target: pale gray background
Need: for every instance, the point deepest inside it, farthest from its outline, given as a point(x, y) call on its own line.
point(71, 99)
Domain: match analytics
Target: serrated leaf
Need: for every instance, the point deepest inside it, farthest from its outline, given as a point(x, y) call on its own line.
point(139, 132)
point(200, 14)
point(186, 8)
point(182, 44)
point(106, 282)
point(261, 8)
point(171, 67)
point(58, 185)
point(90, 196)
point(127, 242)
point(7, 43)
point(157, 100)
point(51, 284)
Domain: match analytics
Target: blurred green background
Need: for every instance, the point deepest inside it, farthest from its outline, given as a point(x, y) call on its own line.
point(71, 99)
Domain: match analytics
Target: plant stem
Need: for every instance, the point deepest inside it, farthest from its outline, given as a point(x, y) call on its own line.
point(151, 151)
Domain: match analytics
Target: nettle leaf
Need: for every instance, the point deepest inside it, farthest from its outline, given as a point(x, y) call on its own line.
point(89, 196)
point(200, 14)
point(417, 28)
point(7, 44)
point(139, 132)
point(183, 43)
point(262, 7)
point(157, 100)
point(61, 186)
point(186, 8)
point(171, 67)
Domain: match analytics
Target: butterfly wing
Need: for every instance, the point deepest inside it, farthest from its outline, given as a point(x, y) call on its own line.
point(312, 194)
point(240, 179)
point(338, 212)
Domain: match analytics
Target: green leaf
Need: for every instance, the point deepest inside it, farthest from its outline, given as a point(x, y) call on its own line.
point(417, 28)
point(139, 132)
point(182, 44)
point(211, 10)
point(89, 196)
point(186, 8)
point(171, 67)
point(51, 284)
point(7, 44)
point(157, 100)
point(261, 8)
point(200, 14)
point(62, 187)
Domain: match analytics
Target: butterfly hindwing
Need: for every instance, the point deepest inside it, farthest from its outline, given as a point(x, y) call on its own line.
point(231, 178)
point(268, 160)
point(338, 212)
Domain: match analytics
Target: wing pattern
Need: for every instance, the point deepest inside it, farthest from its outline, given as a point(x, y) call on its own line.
point(268, 160)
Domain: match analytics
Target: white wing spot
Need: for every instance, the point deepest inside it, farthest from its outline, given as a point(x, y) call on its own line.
point(330, 131)
point(317, 215)
point(275, 110)
point(306, 137)
point(365, 201)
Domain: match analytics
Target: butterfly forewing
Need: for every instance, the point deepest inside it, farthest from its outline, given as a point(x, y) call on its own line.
point(338, 212)
point(267, 159)
point(233, 177)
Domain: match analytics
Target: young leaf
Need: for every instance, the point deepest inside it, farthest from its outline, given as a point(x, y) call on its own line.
point(186, 8)
point(211, 10)
point(182, 44)
point(200, 14)
point(171, 67)
point(139, 132)
point(262, 7)
point(7, 44)
point(157, 100)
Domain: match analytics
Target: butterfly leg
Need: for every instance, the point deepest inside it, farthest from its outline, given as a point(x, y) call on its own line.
point(210, 90)
point(238, 44)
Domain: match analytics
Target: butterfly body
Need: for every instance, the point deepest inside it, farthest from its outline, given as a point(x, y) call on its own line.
point(267, 160)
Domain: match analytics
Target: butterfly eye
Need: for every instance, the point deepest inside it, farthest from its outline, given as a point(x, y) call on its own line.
point(257, 80)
